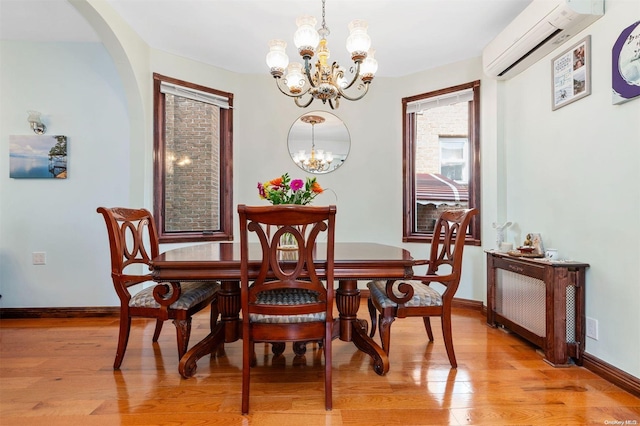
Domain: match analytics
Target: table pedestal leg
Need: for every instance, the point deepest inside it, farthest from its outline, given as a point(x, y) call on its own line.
point(351, 329)
point(206, 346)
point(229, 306)
point(227, 330)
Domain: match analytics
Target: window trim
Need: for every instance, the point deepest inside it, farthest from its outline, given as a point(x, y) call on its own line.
point(159, 168)
point(408, 165)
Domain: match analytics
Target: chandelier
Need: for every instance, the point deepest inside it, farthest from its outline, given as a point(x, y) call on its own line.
point(318, 160)
point(326, 82)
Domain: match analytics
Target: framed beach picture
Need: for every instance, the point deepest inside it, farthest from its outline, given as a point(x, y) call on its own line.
point(571, 71)
point(40, 157)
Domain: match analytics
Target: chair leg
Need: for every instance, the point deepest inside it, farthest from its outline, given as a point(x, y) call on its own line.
point(427, 326)
point(373, 314)
point(328, 387)
point(448, 340)
point(253, 361)
point(247, 355)
point(123, 339)
point(158, 329)
point(277, 348)
point(183, 332)
point(300, 348)
point(385, 331)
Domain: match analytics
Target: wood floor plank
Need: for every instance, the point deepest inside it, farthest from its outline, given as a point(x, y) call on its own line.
point(59, 372)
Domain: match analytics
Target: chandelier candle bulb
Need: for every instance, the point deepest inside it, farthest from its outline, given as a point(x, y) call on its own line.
point(306, 38)
point(369, 66)
point(277, 59)
point(358, 42)
point(295, 79)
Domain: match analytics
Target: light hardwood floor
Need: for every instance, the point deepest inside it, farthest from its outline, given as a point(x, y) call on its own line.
point(59, 372)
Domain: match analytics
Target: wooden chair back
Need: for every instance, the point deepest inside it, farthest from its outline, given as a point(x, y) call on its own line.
point(133, 240)
point(287, 269)
point(447, 247)
point(288, 300)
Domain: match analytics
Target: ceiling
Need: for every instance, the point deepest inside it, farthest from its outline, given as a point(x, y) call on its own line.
point(408, 35)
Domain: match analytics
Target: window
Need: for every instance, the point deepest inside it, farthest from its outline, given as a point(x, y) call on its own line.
point(192, 161)
point(441, 150)
point(454, 158)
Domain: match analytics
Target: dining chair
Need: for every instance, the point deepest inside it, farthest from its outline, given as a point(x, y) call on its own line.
point(416, 297)
point(287, 301)
point(133, 242)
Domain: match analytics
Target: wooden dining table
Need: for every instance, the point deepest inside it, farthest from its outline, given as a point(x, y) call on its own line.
point(221, 262)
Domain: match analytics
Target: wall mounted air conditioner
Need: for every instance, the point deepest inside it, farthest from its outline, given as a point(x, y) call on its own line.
point(543, 26)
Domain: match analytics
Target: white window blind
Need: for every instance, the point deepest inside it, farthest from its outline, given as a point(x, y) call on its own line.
point(438, 101)
point(193, 94)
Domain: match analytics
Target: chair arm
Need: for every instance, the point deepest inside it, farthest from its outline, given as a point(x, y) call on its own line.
point(445, 280)
point(404, 288)
point(161, 290)
point(129, 280)
point(407, 290)
point(427, 279)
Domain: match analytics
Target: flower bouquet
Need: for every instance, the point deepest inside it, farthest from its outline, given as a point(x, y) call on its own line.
point(284, 190)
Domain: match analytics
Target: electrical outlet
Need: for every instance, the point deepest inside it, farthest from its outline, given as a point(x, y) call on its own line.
point(592, 328)
point(39, 258)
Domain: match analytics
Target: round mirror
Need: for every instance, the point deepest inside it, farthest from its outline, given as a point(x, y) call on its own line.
point(319, 142)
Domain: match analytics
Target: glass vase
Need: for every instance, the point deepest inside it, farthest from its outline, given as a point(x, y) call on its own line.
point(288, 242)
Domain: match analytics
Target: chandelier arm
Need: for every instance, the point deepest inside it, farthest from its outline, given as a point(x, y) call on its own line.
point(331, 104)
point(355, 76)
point(307, 70)
point(294, 95)
point(298, 98)
point(344, 95)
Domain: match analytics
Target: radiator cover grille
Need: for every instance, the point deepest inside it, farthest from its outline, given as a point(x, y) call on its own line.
point(521, 299)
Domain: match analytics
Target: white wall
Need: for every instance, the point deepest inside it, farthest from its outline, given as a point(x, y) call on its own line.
point(523, 144)
point(77, 89)
point(573, 174)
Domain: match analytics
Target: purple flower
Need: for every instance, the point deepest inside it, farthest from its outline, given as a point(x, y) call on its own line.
point(296, 184)
point(261, 190)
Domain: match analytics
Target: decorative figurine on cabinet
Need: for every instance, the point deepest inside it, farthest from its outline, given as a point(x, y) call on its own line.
point(500, 232)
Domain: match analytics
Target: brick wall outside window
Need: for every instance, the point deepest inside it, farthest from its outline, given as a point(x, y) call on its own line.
point(192, 165)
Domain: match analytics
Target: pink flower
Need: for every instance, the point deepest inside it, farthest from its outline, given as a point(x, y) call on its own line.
point(296, 184)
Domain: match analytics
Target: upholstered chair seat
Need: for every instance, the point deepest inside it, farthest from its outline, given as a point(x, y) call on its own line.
point(191, 294)
point(288, 297)
point(422, 295)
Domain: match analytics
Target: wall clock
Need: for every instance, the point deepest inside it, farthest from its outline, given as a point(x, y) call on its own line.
point(625, 63)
